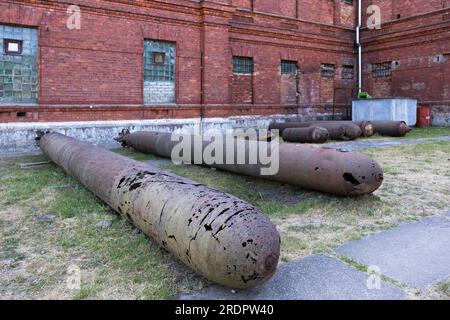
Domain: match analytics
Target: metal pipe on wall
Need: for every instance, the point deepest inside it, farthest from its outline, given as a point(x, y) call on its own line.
point(358, 43)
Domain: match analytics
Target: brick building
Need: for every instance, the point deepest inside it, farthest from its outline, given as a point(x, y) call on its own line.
point(409, 55)
point(179, 59)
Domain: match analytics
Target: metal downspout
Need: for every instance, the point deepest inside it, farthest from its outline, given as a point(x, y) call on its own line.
point(358, 44)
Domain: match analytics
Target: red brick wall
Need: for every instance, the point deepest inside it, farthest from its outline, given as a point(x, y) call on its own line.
point(101, 64)
point(316, 10)
point(326, 11)
point(346, 13)
point(419, 47)
point(407, 8)
point(267, 6)
point(288, 89)
point(390, 9)
point(381, 88)
point(327, 90)
point(242, 89)
point(96, 73)
point(288, 8)
point(247, 4)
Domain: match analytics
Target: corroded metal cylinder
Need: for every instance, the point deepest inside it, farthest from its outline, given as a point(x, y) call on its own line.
point(306, 135)
point(337, 131)
point(366, 127)
point(391, 128)
point(322, 169)
point(222, 237)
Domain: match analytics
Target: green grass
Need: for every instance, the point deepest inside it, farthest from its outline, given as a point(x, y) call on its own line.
point(419, 133)
point(135, 155)
point(445, 289)
point(273, 198)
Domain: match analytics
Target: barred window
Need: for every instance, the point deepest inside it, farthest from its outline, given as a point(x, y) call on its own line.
point(382, 70)
point(288, 67)
point(327, 71)
point(243, 65)
point(348, 72)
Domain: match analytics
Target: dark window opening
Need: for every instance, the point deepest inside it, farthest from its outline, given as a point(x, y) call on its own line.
point(159, 57)
point(348, 72)
point(288, 67)
point(12, 46)
point(399, 16)
point(327, 70)
point(350, 2)
point(382, 70)
point(21, 114)
point(243, 65)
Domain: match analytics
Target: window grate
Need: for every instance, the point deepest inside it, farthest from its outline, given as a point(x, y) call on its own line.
point(242, 65)
point(327, 71)
point(348, 72)
point(382, 70)
point(288, 67)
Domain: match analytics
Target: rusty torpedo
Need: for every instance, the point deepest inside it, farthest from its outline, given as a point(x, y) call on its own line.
point(391, 128)
point(322, 169)
point(337, 131)
point(366, 127)
point(306, 135)
point(222, 237)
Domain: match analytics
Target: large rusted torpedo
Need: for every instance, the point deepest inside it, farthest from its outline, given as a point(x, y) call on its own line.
point(322, 169)
point(365, 126)
point(306, 135)
point(337, 130)
point(222, 237)
point(391, 128)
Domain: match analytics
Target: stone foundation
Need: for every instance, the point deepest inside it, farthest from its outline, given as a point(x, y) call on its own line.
point(19, 138)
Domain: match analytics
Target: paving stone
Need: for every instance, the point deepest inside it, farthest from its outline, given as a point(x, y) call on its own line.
point(416, 254)
point(313, 278)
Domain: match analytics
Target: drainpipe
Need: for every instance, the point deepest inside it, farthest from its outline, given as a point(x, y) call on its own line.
point(358, 44)
point(202, 76)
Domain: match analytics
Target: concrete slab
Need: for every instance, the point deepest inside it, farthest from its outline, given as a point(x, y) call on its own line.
point(313, 278)
point(416, 254)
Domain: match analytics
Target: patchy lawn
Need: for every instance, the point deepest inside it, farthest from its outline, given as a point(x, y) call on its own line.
point(48, 222)
point(420, 133)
